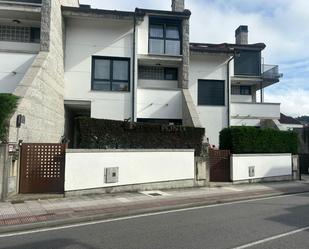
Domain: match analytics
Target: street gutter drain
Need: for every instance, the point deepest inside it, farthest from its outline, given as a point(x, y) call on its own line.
point(154, 193)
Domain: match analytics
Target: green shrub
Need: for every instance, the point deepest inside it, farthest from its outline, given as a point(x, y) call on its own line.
point(8, 103)
point(110, 134)
point(254, 140)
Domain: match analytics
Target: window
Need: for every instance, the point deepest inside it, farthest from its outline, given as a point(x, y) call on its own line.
point(211, 92)
point(19, 34)
point(164, 37)
point(248, 63)
point(241, 90)
point(245, 90)
point(110, 74)
point(157, 73)
point(170, 73)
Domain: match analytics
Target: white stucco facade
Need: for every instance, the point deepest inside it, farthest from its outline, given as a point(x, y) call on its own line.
point(142, 36)
point(160, 104)
point(106, 33)
point(212, 67)
point(150, 98)
point(13, 67)
point(87, 38)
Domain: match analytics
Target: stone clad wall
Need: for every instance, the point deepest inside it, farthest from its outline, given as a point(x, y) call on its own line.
point(42, 88)
point(2, 162)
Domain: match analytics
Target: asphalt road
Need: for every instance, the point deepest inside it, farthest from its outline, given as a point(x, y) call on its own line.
point(251, 224)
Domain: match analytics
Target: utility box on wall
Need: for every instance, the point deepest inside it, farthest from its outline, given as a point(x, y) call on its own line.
point(246, 167)
point(111, 175)
point(251, 171)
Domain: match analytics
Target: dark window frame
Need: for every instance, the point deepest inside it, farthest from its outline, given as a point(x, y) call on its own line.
point(11, 33)
point(245, 88)
point(111, 80)
point(35, 34)
point(171, 68)
point(164, 73)
point(257, 74)
point(165, 23)
point(201, 81)
point(240, 88)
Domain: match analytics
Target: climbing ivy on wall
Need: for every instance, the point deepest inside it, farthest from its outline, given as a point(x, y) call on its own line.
point(111, 134)
point(8, 103)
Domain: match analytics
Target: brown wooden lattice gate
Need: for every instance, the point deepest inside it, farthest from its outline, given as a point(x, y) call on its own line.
point(42, 168)
point(219, 161)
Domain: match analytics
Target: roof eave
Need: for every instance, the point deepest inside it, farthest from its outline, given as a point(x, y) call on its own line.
point(185, 14)
point(97, 13)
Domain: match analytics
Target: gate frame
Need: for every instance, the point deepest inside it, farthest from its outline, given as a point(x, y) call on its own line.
point(223, 155)
point(47, 187)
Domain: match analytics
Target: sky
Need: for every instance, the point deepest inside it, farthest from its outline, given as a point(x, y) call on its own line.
point(283, 25)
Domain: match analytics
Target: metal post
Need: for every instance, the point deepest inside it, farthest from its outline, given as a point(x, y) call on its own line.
point(261, 92)
point(299, 170)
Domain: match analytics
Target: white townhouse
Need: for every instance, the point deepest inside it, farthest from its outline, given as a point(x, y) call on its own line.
point(66, 60)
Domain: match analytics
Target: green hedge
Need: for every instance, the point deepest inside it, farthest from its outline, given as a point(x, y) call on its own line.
point(254, 140)
point(110, 134)
point(8, 103)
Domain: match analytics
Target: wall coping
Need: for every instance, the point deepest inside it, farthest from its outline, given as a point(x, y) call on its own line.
point(125, 150)
point(261, 154)
point(253, 103)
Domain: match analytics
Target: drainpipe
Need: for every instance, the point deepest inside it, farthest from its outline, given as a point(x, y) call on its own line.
point(228, 89)
point(133, 65)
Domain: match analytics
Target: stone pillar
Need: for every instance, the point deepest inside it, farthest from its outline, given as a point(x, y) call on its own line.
point(41, 90)
point(185, 54)
point(8, 174)
point(296, 174)
point(2, 173)
point(241, 35)
point(253, 93)
point(45, 25)
point(190, 115)
point(178, 5)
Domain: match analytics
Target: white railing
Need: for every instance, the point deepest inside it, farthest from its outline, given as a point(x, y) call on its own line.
point(255, 110)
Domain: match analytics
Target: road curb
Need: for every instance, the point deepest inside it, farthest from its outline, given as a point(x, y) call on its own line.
point(131, 212)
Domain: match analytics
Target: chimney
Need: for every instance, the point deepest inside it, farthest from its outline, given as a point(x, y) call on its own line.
point(241, 34)
point(178, 5)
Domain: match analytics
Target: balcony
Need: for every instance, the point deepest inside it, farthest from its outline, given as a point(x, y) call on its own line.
point(255, 110)
point(159, 104)
point(270, 73)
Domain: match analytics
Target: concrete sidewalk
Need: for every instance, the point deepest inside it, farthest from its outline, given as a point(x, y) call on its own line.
point(62, 211)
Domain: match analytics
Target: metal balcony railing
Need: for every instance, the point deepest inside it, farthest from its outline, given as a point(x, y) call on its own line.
point(271, 72)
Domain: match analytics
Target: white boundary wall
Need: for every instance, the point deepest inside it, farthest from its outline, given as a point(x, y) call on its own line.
point(266, 165)
point(84, 169)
